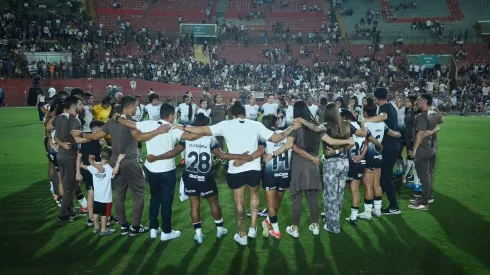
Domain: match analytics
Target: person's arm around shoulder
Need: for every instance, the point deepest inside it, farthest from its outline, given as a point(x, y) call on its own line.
point(168, 155)
point(118, 162)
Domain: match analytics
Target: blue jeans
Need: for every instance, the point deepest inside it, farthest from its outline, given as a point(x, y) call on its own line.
point(162, 189)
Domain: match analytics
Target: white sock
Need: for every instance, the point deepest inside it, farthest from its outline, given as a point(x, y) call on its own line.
point(377, 205)
point(275, 226)
point(182, 155)
point(268, 219)
point(353, 213)
point(399, 163)
point(198, 231)
point(368, 208)
point(83, 202)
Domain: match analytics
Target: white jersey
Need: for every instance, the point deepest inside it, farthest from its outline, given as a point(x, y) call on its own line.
point(140, 111)
point(198, 161)
point(252, 112)
point(280, 166)
point(378, 131)
point(153, 111)
point(206, 112)
point(159, 145)
point(102, 183)
point(88, 118)
point(187, 118)
point(359, 143)
point(242, 135)
point(269, 109)
point(314, 110)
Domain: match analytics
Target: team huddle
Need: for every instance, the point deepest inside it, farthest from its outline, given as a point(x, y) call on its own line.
point(101, 146)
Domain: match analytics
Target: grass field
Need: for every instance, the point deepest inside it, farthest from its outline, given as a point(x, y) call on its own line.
point(451, 238)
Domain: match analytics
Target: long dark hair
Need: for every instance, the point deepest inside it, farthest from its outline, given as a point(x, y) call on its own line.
point(311, 138)
point(57, 106)
point(340, 128)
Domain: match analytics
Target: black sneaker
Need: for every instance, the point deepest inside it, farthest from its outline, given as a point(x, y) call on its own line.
point(137, 230)
point(391, 211)
point(417, 194)
point(111, 220)
point(124, 230)
point(263, 213)
point(77, 216)
point(90, 222)
point(63, 218)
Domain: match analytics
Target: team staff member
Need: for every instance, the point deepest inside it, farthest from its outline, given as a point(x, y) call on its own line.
point(242, 135)
point(197, 176)
point(67, 154)
point(125, 141)
point(218, 114)
point(391, 148)
point(425, 148)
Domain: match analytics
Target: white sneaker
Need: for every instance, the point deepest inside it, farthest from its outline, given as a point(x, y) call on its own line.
point(293, 233)
point(240, 240)
point(365, 216)
point(199, 238)
point(154, 233)
point(314, 229)
point(377, 213)
point(252, 233)
point(172, 235)
point(220, 233)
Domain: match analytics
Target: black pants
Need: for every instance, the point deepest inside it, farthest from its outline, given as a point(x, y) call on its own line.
point(389, 159)
point(41, 114)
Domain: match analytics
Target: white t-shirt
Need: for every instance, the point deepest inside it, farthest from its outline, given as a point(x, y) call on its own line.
point(242, 135)
point(51, 92)
point(153, 111)
point(430, 86)
point(159, 145)
point(442, 87)
point(269, 109)
point(206, 112)
point(102, 183)
point(485, 90)
point(252, 112)
point(314, 110)
point(88, 118)
point(184, 113)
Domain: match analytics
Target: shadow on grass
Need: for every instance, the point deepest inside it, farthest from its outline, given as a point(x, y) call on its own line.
point(386, 253)
point(466, 229)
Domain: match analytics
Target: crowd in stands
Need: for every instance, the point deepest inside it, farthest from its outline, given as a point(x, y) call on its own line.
point(100, 53)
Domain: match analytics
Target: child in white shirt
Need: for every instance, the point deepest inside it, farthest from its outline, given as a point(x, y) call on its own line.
point(102, 174)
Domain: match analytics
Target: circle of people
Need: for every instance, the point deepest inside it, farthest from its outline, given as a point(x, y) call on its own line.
point(360, 142)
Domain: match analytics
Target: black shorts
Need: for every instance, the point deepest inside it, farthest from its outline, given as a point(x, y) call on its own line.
point(195, 186)
point(53, 157)
point(374, 162)
point(88, 179)
point(279, 182)
point(102, 208)
point(140, 145)
point(250, 178)
point(356, 170)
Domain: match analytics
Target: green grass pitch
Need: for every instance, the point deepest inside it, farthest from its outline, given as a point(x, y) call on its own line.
point(451, 238)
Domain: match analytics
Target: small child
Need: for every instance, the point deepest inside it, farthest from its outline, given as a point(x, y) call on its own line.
point(102, 174)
